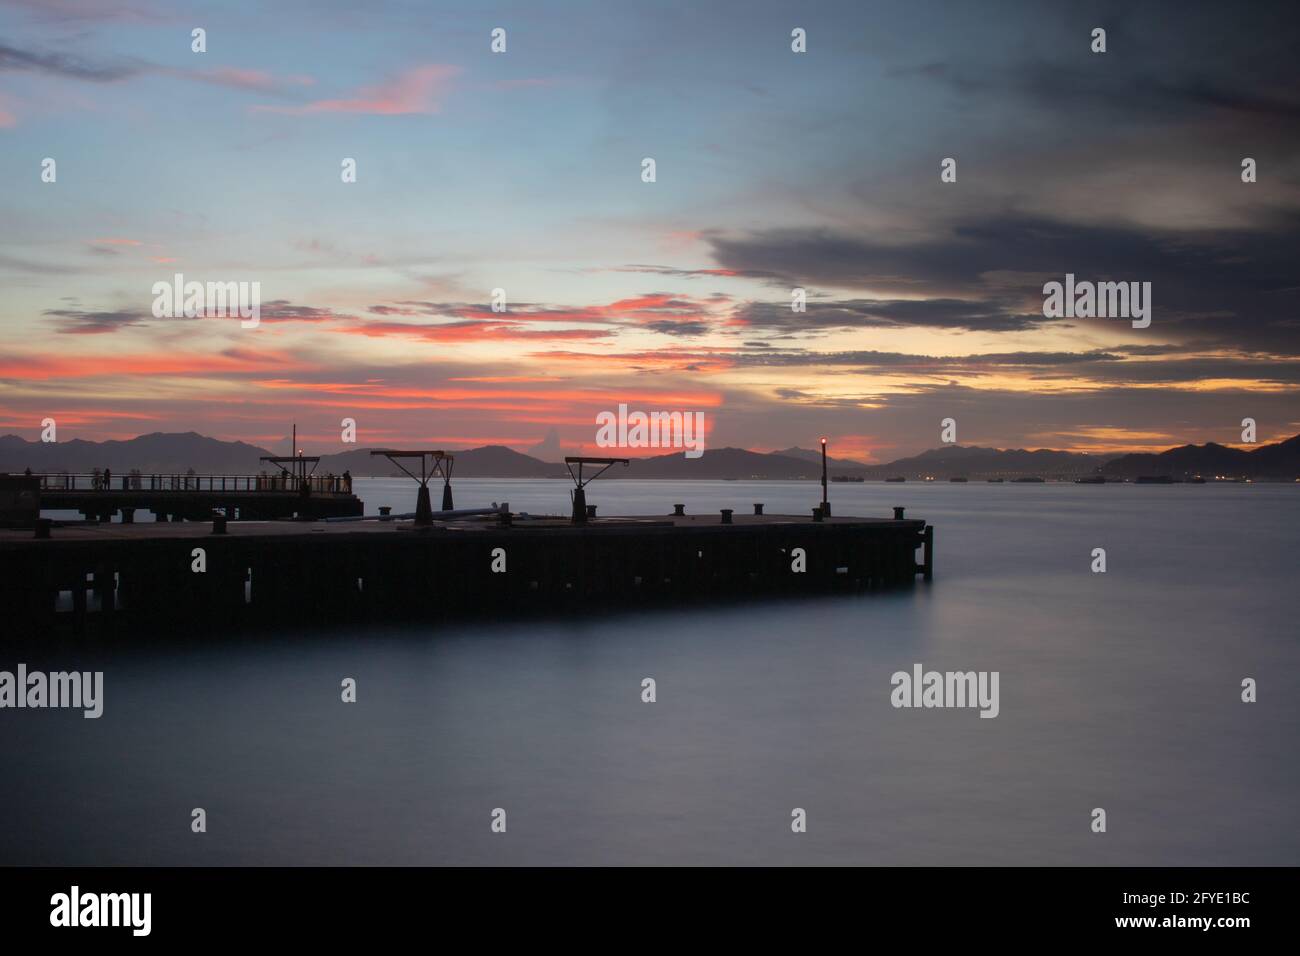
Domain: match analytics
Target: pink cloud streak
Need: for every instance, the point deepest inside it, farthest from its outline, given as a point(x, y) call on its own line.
point(418, 90)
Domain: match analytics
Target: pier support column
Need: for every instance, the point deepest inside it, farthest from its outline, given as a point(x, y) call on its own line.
point(423, 509)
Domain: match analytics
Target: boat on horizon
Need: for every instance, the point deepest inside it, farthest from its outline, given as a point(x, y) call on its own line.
point(1091, 480)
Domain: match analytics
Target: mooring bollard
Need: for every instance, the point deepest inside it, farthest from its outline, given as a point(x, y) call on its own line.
point(898, 514)
point(591, 511)
point(43, 526)
point(758, 507)
point(218, 524)
point(817, 513)
point(726, 515)
point(679, 511)
point(385, 511)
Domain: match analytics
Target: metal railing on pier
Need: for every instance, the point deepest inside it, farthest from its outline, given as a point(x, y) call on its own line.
point(316, 484)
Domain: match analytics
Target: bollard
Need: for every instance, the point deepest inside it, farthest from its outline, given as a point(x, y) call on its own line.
point(758, 507)
point(817, 513)
point(43, 526)
point(679, 511)
point(218, 523)
point(726, 515)
point(385, 511)
point(591, 511)
point(898, 513)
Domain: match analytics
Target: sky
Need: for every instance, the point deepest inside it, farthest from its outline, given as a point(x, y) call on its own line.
point(774, 170)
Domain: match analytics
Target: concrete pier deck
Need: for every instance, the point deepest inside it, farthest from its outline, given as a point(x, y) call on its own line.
point(184, 573)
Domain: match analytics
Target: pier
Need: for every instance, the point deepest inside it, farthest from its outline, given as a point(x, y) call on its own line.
point(219, 574)
point(174, 497)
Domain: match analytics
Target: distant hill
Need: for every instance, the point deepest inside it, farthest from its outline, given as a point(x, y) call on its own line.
point(177, 452)
point(490, 461)
point(718, 463)
point(1280, 460)
point(970, 461)
point(815, 456)
point(158, 452)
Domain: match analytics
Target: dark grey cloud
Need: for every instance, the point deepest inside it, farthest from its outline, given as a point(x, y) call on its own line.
point(69, 66)
point(890, 313)
point(869, 361)
point(13, 59)
point(1167, 62)
point(1219, 288)
point(697, 273)
point(1101, 367)
point(82, 322)
point(687, 329)
point(282, 310)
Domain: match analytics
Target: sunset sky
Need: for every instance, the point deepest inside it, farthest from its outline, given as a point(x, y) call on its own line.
point(775, 169)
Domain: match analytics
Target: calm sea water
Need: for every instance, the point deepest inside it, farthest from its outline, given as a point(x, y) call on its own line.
point(1118, 690)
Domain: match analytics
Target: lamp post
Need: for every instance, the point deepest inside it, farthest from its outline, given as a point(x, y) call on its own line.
point(826, 504)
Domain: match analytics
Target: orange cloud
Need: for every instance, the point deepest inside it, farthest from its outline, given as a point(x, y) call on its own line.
point(469, 331)
point(40, 368)
point(664, 359)
point(565, 397)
